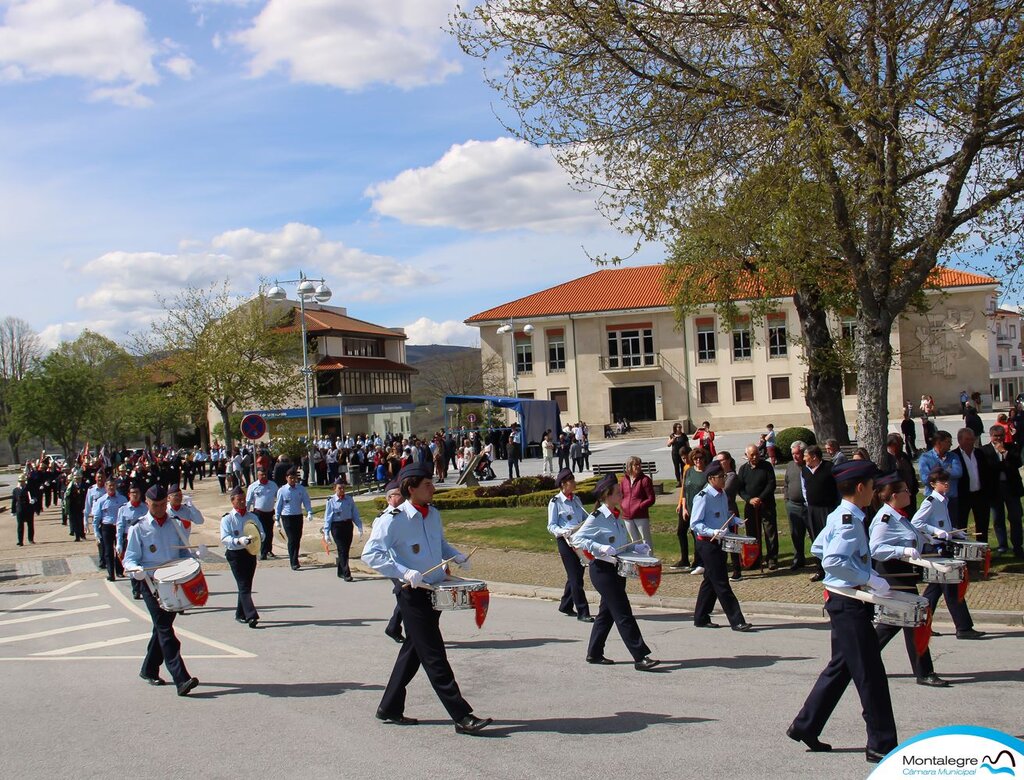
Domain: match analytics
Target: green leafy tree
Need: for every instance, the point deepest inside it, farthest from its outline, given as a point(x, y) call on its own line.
point(907, 114)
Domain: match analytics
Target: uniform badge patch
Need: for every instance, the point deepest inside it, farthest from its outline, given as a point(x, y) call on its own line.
point(416, 549)
point(885, 518)
point(864, 558)
point(847, 519)
point(929, 499)
point(718, 514)
point(611, 539)
point(152, 548)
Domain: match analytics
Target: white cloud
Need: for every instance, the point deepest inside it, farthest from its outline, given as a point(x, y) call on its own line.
point(103, 41)
point(351, 44)
point(181, 66)
point(427, 331)
point(486, 186)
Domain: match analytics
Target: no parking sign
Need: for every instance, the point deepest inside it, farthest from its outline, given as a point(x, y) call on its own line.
point(253, 426)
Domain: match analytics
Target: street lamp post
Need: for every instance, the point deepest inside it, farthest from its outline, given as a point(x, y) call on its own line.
point(510, 328)
point(308, 291)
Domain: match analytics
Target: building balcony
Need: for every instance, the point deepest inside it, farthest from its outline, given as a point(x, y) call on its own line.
point(629, 363)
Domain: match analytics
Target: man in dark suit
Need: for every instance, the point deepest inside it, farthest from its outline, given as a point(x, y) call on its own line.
point(977, 483)
point(1006, 497)
point(973, 421)
point(821, 494)
point(23, 506)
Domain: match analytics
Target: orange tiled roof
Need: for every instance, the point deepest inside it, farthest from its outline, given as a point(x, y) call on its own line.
point(321, 321)
point(642, 287)
point(334, 363)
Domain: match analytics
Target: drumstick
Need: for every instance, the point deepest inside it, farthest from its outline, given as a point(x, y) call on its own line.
point(443, 563)
point(727, 521)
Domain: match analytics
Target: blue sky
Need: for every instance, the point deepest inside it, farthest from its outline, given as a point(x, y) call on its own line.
point(151, 145)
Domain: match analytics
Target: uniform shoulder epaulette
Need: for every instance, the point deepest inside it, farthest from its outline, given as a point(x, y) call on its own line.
point(702, 493)
point(885, 518)
point(221, 517)
point(595, 513)
point(395, 510)
point(929, 499)
point(553, 499)
point(847, 519)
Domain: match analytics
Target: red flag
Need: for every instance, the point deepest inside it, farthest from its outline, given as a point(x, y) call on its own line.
point(987, 564)
point(650, 578)
point(327, 547)
point(481, 600)
point(923, 635)
point(751, 552)
point(961, 588)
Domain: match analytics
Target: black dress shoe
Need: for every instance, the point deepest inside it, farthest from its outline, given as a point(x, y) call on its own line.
point(873, 756)
point(796, 565)
point(396, 635)
point(471, 724)
point(815, 745)
point(645, 664)
point(152, 680)
point(706, 624)
point(742, 627)
point(254, 622)
point(969, 633)
point(348, 578)
point(263, 557)
point(568, 612)
point(295, 567)
point(137, 596)
point(735, 575)
point(599, 659)
point(240, 620)
point(773, 565)
point(933, 680)
point(816, 577)
point(399, 720)
point(187, 686)
point(585, 618)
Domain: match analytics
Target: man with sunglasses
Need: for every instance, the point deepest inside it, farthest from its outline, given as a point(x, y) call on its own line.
point(1006, 464)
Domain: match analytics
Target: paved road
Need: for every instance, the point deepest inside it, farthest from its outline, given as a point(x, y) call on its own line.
point(298, 694)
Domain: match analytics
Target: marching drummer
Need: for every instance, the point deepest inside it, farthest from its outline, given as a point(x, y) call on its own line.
point(844, 552)
point(153, 542)
point(709, 521)
point(894, 541)
point(932, 518)
point(128, 515)
point(393, 495)
point(340, 518)
point(181, 507)
point(234, 535)
point(599, 534)
point(409, 546)
point(565, 515)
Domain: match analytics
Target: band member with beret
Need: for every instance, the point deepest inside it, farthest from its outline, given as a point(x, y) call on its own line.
point(341, 517)
point(844, 552)
point(565, 515)
point(241, 561)
point(152, 542)
point(127, 516)
point(410, 547)
point(393, 495)
point(709, 521)
point(599, 535)
point(291, 499)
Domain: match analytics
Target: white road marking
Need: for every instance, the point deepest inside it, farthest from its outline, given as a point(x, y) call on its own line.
point(76, 598)
point(44, 597)
point(66, 630)
point(52, 615)
point(121, 640)
point(186, 656)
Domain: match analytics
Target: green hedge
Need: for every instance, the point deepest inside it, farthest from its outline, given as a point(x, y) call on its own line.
point(784, 441)
point(470, 498)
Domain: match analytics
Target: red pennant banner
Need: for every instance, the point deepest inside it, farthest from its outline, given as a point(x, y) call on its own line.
point(751, 553)
point(961, 588)
point(481, 600)
point(650, 578)
point(923, 635)
point(196, 590)
point(987, 564)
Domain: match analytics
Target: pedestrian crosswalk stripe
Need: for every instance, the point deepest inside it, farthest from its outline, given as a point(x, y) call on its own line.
point(121, 640)
point(52, 615)
point(44, 597)
point(75, 598)
point(65, 630)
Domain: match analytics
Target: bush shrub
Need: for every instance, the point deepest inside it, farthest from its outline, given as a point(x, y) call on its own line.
point(784, 441)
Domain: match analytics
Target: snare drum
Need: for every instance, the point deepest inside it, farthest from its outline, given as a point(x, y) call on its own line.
point(733, 543)
point(642, 567)
point(181, 586)
point(968, 551)
point(454, 593)
point(909, 612)
point(947, 571)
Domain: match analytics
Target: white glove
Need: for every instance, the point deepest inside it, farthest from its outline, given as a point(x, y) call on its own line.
point(878, 584)
point(309, 517)
point(940, 534)
point(718, 533)
point(359, 533)
point(244, 540)
point(117, 550)
point(187, 501)
point(643, 549)
point(277, 520)
point(565, 533)
point(912, 553)
point(137, 574)
point(202, 551)
point(462, 561)
point(607, 550)
point(413, 577)
point(959, 533)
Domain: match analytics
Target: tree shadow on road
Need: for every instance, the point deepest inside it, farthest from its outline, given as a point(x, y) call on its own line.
point(816, 626)
point(506, 644)
point(270, 608)
point(328, 623)
point(619, 723)
point(967, 678)
point(730, 662)
point(281, 690)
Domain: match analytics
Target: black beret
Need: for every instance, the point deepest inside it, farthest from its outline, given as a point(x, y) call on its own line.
point(156, 493)
point(888, 479)
point(341, 481)
point(392, 485)
point(413, 470)
point(855, 470)
point(607, 482)
point(236, 491)
point(563, 476)
point(714, 467)
point(173, 489)
point(292, 472)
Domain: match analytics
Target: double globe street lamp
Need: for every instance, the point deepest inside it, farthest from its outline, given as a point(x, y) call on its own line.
point(509, 327)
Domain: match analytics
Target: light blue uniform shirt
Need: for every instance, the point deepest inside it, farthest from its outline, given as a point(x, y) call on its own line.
point(565, 513)
point(189, 513)
point(292, 500)
point(710, 511)
point(104, 511)
point(151, 545)
point(232, 527)
point(930, 460)
point(261, 497)
point(128, 516)
point(339, 510)
point(933, 515)
point(601, 527)
point(891, 533)
point(408, 540)
point(91, 495)
point(843, 549)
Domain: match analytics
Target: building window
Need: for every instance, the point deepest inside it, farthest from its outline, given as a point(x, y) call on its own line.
point(743, 390)
point(524, 356)
point(708, 392)
point(354, 347)
point(1013, 331)
point(525, 395)
point(849, 330)
point(706, 342)
point(1013, 361)
point(561, 397)
point(1000, 362)
point(373, 383)
point(631, 348)
point(741, 343)
point(778, 387)
point(850, 384)
point(777, 343)
point(556, 351)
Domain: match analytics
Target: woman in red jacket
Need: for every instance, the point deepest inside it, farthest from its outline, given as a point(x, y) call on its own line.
point(637, 497)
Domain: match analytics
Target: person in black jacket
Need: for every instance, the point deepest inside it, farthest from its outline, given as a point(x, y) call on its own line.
point(822, 496)
point(977, 483)
point(23, 506)
point(757, 489)
point(973, 421)
point(1006, 463)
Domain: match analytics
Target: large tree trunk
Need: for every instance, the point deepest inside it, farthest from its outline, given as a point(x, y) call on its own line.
point(13, 440)
point(225, 418)
point(873, 353)
point(824, 392)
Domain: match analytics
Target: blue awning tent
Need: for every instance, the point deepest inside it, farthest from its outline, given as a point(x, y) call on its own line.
point(534, 416)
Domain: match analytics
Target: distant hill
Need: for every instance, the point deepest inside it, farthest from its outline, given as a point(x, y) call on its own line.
point(419, 352)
